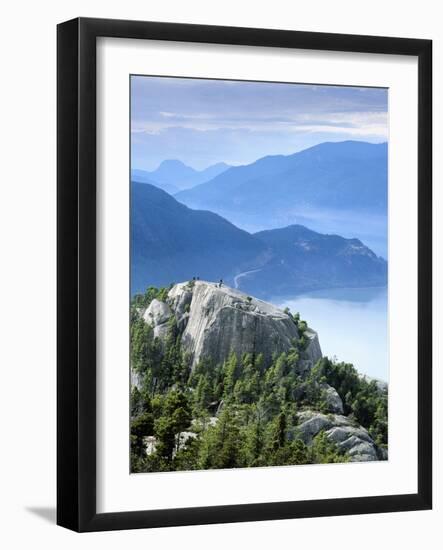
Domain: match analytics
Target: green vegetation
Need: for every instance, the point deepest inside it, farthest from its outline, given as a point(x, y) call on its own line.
point(241, 413)
point(143, 300)
point(361, 398)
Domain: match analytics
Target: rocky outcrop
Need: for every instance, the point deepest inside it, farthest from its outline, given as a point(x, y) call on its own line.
point(331, 398)
point(313, 350)
point(215, 321)
point(157, 315)
point(351, 438)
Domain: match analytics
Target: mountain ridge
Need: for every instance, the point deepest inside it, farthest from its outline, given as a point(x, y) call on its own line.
point(265, 164)
point(171, 242)
point(327, 187)
point(173, 175)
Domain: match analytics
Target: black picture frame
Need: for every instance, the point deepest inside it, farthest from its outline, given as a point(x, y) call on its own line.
point(76, 265)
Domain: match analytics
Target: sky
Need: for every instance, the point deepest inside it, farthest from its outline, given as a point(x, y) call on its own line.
point(202, 122)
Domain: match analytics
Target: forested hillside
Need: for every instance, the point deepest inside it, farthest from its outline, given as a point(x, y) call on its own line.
point(249, 409)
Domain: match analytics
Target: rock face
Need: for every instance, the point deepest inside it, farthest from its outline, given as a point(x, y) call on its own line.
point(351, 438)
point(215, 321)
point(332, 399)
point(313, 350)
point(158, 314)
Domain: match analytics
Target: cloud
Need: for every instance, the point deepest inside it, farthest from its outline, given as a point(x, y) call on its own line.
point(357, 124)
point(354, 124)
point(204, 121)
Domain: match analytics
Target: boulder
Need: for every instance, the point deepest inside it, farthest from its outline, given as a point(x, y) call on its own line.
point(311, 423)
point(340, 434)
point(349, 437)
point(157, 315)
point(361, 451)
point(332, 399)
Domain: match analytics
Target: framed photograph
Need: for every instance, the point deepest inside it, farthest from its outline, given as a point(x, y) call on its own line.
point(244, 274)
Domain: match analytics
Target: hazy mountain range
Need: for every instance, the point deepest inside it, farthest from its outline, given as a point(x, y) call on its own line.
point(345, 175)
point(173, 175)
point(329, 187)
point(305, 260)
point(171, 242)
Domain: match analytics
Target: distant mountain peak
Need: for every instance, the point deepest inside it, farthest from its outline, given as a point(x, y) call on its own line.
point(175, 174)
point(175, 164)
point(218, 165)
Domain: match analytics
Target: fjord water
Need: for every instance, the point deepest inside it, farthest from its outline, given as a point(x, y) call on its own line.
point(352, 325)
